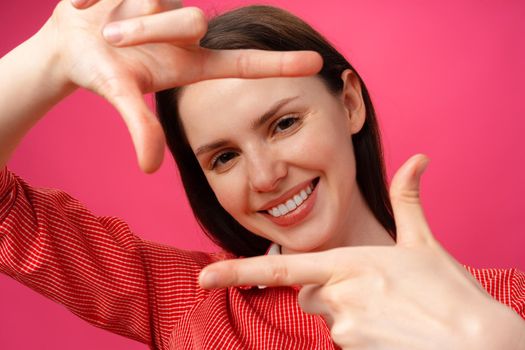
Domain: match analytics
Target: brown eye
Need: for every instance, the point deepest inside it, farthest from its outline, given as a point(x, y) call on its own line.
point(222, 159)
point(285, 123)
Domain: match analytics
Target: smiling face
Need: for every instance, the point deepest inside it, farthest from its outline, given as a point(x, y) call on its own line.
point(278, 155)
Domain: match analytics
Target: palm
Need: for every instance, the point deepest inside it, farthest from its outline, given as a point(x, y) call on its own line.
point(94, 64)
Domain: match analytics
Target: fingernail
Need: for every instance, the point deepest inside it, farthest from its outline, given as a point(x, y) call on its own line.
point(171, 4)
point(208, 279)
point(78, 3)
point(423, 166)
point(112, 33)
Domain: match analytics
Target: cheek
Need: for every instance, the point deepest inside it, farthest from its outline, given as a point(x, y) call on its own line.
point(324, 145)
point(229, 193)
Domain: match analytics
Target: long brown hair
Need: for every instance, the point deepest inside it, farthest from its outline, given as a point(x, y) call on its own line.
point(270, 28)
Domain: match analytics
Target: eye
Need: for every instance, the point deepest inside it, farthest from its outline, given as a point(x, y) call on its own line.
point(222, 159)
point(286, 123)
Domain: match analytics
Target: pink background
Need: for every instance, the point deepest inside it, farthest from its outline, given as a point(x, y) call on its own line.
point(447, 79)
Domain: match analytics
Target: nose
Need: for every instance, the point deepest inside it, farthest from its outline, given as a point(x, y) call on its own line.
point(265, 170)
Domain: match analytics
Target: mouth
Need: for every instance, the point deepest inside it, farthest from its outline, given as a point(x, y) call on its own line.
point(295, 208)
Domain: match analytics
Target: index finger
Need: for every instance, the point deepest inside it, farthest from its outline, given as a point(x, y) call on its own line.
point(280, 270)
point(160, 4)
point(251, 63)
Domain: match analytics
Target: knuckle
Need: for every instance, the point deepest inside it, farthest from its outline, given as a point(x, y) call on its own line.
point(151, 6)
point(283, 63)
point(332, 298)
point(203, 66)
point(242, 65)
point(109, 87)
point(235, 278)
point(379, 283)
point(337, 331)
point(346, 331)
point(171, 4)
point(375, 277)
point(404, 195)
point(198, 24)
point(280, 274)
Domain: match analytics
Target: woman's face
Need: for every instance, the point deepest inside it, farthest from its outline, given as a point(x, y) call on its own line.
point(278, 154)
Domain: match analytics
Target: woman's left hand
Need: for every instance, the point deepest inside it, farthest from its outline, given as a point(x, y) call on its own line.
point(413, 295)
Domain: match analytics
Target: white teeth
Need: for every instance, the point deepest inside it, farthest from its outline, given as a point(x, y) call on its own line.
point(292, 203)
point(297, 199)
point(282, 208)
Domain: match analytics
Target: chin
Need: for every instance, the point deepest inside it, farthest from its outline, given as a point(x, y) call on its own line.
point(304, 242)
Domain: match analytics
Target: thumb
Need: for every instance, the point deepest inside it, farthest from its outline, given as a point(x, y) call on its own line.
point(411, 225)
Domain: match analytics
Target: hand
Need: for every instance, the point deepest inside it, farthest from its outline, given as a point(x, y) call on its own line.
point(122, 49)
point(413, 295)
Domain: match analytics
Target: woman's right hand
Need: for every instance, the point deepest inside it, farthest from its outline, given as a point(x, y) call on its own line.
point(122, 49)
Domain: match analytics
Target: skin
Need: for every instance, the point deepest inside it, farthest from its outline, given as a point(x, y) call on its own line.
point(412, 295)
point(264, 163)
point(122, 49)
point(409, 294)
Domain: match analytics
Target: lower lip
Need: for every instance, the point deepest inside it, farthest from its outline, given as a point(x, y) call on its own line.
point(298, 214)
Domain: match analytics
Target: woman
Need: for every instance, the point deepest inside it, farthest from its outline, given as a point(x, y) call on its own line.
point(267, 170)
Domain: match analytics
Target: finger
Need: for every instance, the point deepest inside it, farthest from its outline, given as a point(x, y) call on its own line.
point(257, 64)
point(170, 4)
point(133, 8)
point(82, 4)
point(184, 26)
point(136, 8)
point(283, 270)
point(143, 126)
point(310, 301)
point(411, 225)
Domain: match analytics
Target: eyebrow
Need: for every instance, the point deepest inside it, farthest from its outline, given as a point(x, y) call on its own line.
point(257, 123)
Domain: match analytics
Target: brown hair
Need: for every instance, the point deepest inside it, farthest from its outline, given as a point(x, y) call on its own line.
point(270, 28)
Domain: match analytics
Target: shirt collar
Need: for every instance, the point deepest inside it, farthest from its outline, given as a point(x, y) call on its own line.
point(273, 249)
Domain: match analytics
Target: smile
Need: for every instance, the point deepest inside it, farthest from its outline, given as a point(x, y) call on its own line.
point(293, 203)
point(294, 208)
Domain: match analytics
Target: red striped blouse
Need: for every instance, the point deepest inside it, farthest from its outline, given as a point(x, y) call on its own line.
point(102, 272)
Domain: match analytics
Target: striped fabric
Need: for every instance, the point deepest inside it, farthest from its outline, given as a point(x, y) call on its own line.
point(103, 273)
point(505, 285)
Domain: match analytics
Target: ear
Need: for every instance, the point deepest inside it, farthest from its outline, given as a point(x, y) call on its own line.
point(353, 101)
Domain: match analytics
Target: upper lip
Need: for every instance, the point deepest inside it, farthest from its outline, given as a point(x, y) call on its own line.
point(286, 195)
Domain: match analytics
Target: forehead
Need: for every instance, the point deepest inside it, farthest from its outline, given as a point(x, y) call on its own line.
point(208, 107)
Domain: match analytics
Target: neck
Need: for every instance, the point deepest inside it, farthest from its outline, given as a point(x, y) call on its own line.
point(363, 227)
